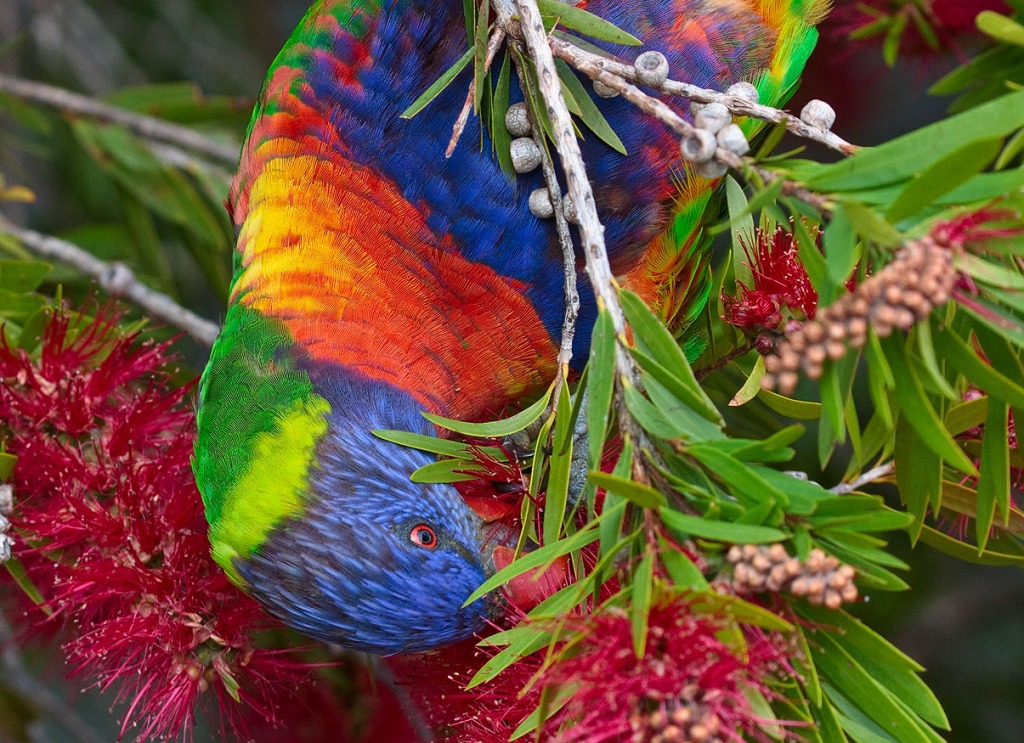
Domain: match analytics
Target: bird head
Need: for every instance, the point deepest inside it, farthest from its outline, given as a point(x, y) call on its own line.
point(374, 562)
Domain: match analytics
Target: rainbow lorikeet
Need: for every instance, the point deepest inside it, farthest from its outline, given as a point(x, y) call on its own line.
point(375, 279)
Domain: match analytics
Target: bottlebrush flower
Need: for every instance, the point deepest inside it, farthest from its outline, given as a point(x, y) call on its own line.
point(781, 285)
point(104, 494)
point(689, 685)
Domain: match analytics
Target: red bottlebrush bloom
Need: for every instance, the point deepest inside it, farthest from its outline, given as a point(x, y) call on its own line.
point(974, 227)
point(689, 685)
point(104, 491)
point(780, 283)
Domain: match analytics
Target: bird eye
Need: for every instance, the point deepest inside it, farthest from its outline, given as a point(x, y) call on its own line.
point(423, 536)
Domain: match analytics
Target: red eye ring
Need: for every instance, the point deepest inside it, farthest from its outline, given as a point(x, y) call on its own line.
point(423, 536)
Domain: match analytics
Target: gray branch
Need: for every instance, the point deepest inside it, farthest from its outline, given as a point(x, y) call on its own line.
point(116, 279)
point(588, 63)
point(147, 127)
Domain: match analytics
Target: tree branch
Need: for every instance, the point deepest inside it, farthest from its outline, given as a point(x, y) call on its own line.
point(147, 127)
point(116, 279)
point(588, 63)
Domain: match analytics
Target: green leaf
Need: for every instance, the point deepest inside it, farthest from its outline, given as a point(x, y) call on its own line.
point(841, 251)
point(877, 702)
point(958, 354)
point(891, 668)
point(942, 176)
point(21, 578)
point(588, 24)
point(601, 371)
point(543, 555)
point(533, 720)
point(654, 339)
point(436, 445)
point(742, 223)
point(501, 139)
point(480, 58)
point(752, 386)
point(994, 483)
point(7, 462)
point(22, 275)
point(1000, 28)
point(870, 225)
point(588, 112)
point(918, 474)
point(681, 569)
point(496, 429)
point(446, 471)
point(742, 480)
point(787, 406)
point(640, 607)
point(642, 495)
point(438, 85)
point(914, 153)
point(918, 411)
point(722, 531)
point(967, 552)
point(557, 493)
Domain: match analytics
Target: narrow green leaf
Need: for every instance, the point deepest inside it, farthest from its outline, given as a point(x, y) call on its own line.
point(501, 140)
point(436, 445)
point(438, 85)
point(588, 111)
point(870, 225)
point(742, 232)
point(640, 607)
point(918, 411)
point(556, 495)
point(994, 482)
point(21, 578)
point(958, 354)
point(674, 385)
point(942, 176)
point(752, 386)
point(642, 495)
point(7, 462)
point(543, 555)
point(841, 250)
point(655, 340)
point(918, 474)
point(480, 58)
point(812, 259)
point(22, 275)
point(967, 552)
point(611, 529)
point(533, 720)
point(723, 531)
point(787, 406)
point(588, 24)
point(496, 429)
point(681, 569)
point(1000, 28)
point(447, 470)
point(742, 480)
point(864, 690)
point(601, 371)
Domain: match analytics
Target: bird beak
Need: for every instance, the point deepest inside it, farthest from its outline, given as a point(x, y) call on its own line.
point(527, 590)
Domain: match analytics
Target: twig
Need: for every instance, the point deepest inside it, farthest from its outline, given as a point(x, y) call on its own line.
point(572, 296)
point(586, 62)
point(872, 475)
point(662, 112)
point(460, 123)
point(580, 191)
point(147, 127)
point(116, 279)
point(43, 702)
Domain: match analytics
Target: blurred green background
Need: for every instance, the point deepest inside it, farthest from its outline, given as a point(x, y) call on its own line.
point(965, 624)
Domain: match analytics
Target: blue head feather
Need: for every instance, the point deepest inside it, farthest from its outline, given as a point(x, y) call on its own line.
point(348, 569)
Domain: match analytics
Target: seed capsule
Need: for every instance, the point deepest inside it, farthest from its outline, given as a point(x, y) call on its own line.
point(699, 146)
point(711, 169)
point(818, 114)
point(540, 204)
point(714, 117)
point(517, 120)
point(525, 154)
point(732, 138)
point(651, 68)
point(604, 91)
point(745, 91)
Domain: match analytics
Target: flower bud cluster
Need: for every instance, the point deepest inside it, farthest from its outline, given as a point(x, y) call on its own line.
point(821, 578)
point(920, 278)
point(685, 718)
point(6, 506)
point(714, 129)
